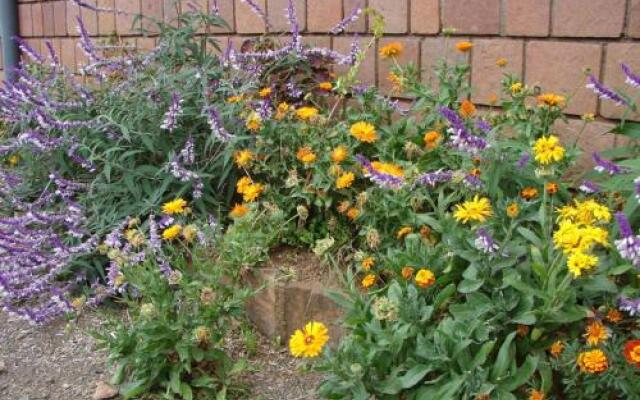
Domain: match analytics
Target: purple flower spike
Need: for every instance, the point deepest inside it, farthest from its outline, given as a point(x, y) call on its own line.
point(629, 243)
point(631, 306)
point(215, 122)
point(473, 182)
point(523, 161)
point(589, 187)
point(484, 242)
point(604, 92)
point(170, 121)
point(258, 11)
point(604, 165)
point(348, 20)
point(632, 79)
point(383, 180)
point(433, 178)
point(483, 125)
point(460, 138)
point(636, 184)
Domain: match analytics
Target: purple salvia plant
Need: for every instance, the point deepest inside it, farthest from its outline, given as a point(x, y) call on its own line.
point(85, 43)
point(296, 40)
point(607, 166)
point(28, 50)
point(383, 180)
point(460, 138)
point(483, 125)
point(604, 92)
point(484, 242)
point(434, 178)
point(215, 123)
point(348, 20)
point(170, 121)
point(631, 78)
point(589, 187)
point(473, 182)
point(523, 161)
point(629, 243)
point(629, 305)
point(258, 11)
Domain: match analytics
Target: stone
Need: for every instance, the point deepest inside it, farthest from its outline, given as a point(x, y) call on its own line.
point(104, 391)
point(3, 367)
point(633, 24)
point(434, 50)
point(124, 21)
point(278, 15)
point(394, 12)
point(425, 16)
point(106, 20)
point(527, 17)
point(360, 25)
point(600, 18)
point(594, 136)
point(60, 16)
point(246, 20)
point(474, 17)
point(486, 75)
point(614, 78)
point(323, 15)
point(564, 76)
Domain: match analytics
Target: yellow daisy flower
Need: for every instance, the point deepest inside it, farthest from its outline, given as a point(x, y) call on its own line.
point(176, 206)
point(364, 132)
point(345, 180)
point(171, 232)
point(478, 209)
point(548, 150)
point(393, 49)
point(309, 341)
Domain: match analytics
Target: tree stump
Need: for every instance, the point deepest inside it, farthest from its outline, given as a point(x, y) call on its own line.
point(292, 290)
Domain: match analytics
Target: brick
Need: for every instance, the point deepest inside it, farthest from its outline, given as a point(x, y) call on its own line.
point(73, 12)
point(25, 21)
point(317, 41)
point(409, 55)
point(106, 20)
point(67, 53)
point(633, 23)
point(434, 50)
point(171, 10)
point(90, 18)
point(527, 17)
point(600, 18)
point(145, 44)
point(36, 16)
point(199, 5)
point(425, 16)
point(474, 17)
point(60, 18)
point(360, 25)
point(278, 15)
point(35, 44)
point(124, 21)
point(226, 13)
point(486, 75)
point(367, 71)
point(152, 10)
point(394, 12)
point(618, 53)
point(48, 20)
point(246, 20)
point(323, 15)
point(564, 75)
point(81, 58)
point(594, 137)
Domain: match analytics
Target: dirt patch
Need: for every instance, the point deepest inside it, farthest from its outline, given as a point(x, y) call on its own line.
point(301, 265)
point(58, 361)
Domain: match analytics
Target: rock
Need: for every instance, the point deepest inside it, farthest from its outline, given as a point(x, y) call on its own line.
point(3, 367)
point(104, 391)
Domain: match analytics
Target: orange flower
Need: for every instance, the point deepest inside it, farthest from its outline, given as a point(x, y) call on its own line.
point(551, 188)
point(614, 316)
point(326, 86)
point(306, 155)
point(467, 109)
point(632, 352)
point(397, 81)
point(522, 330)
point(368, 281)
point(556, 349)
point(596, 333)
point(404, 231)
point(265, 92)
point(536, 395)
point(407, 272)
point(339, 154)
point(353, 213)
point(551, 99)
point(393, 49)
point(367, 263)
point(432, 139)
point(464, 46)
point(502, 62)
point(343, 206)
point(593, 361)
point(345, 180)
point(425, 278)
point(529, 193)
point(475, 172)
point(239, 211)
point(425, 231)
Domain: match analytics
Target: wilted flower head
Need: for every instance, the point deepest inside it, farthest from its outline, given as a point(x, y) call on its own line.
point(385, 309)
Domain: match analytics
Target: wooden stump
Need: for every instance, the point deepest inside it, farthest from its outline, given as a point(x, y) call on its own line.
point(292, 291)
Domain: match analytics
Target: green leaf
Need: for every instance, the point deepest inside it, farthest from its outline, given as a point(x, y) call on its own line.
point(446, 390)
point(504, 358)
point(620, 269)
point(522, 376)
point(132, 389)
point(444, 295)
point(186, 392)
point(530, 236)
point(469, 285)
point(481, 356)
point(414, 375)
point(631, 129)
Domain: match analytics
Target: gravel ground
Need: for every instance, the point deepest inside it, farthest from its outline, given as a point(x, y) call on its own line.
point(56, 362)
point(59, 362)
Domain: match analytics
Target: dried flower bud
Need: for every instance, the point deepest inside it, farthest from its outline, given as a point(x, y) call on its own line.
point(303, 212)
point(147, 310)
point(207, 296)
point(202, 335)
point(373, 238)
point(175, 277)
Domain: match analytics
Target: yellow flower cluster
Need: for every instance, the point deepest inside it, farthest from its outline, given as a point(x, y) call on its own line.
point(478, 209)
point(388, 168)
point(248, 189)
point(548, 150)
point(306, 155)
point(578, 233)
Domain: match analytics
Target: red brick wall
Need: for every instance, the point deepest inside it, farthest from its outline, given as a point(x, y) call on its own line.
point(548, 42)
